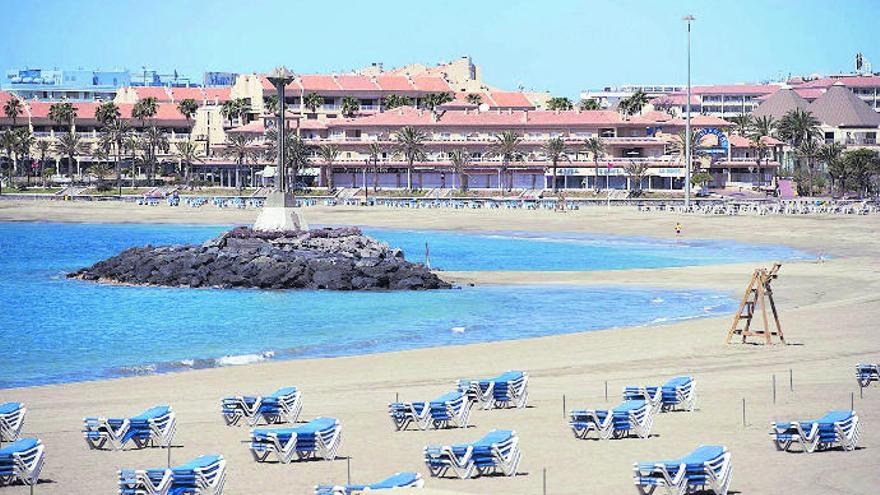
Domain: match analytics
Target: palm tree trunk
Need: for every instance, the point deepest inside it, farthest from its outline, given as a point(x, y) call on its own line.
point(596, 178)
point(554, 177)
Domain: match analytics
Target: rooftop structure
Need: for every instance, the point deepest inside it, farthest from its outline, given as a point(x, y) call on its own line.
point(57, 84)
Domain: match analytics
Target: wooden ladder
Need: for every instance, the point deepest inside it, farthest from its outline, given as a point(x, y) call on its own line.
point(758, 295)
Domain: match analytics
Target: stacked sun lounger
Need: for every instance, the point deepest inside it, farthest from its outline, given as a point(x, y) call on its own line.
point(449, 410)
point(497, 452)
point(509, 389)
point(21, 461)
point(154, 427)
point(677, 392)
point(11, 420)
point(283, 405)
point(318, 438)
point(632, 417)
point(398, 480)
point(204, 475)
point(867, 373)
point(706, 468)
point(836, 428)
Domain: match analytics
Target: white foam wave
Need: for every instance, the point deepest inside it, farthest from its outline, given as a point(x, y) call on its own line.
point(238, 360)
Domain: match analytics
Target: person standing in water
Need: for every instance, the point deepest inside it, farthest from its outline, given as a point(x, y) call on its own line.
point(677, 230)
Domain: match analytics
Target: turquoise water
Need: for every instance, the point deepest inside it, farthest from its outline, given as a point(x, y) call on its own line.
point(57, 330)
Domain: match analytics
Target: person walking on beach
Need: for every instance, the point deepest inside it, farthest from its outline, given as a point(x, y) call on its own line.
point(677, 230)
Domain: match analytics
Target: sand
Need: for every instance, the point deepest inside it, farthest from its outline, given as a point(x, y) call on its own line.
point(829, 312)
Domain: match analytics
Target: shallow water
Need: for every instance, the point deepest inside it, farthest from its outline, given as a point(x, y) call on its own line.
point(57, 330)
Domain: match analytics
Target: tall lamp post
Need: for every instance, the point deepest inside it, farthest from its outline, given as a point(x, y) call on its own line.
point(280, 78)
point(687, 144)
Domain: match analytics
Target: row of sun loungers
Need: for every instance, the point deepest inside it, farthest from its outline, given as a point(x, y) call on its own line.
point(496, 453)
point(22, 460)
point(319, 437)
point(11, 420)
point(679, 392)
point(706, 468)
point(282, 406)
point(632, 417)
point(204, 475)
point(836, 428)
point(155, 427)
point(867, 374)
point(509, 389)
point(397, 480)
point(450, 410)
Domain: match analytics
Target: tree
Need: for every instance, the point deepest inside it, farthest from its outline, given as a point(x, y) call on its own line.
point(228, 111)
point(63, 113)
point(763, 126)
point(312, 101)
point(637, 171)
point(759, 144)
point(809, 150)
point(795, 127)
point(506, 147)
point(24, 140)
point(701, 179)
point(145, 109)
point(393, 101)
point(588, 105)
point(410, 142)
point(555, 150)
point(474, 99)
point(270, 104)
point(350, 106)
point(298, 157)
point(375, 151)
point(595, 147)
point(239, 146)
point(861, 165)
point(69, 145)
point(242, 110)
point(7, 142)
point(13, 108)
point(100, 157)
point(42, 147)
point(679, 148)
point(118, 131)
point(558, 103)
point(743, 124)
point(328, 153)
point(106, 113)
point(187, 154)
point(433, 100)
point(633, 105)
point(188, 107)
point(153, 142)
point(830, 154)
point(460, 160)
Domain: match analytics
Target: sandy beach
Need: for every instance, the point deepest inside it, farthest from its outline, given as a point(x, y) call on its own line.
point(829, 312)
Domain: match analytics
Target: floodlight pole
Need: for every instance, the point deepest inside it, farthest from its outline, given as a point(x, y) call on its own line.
point(687, 144)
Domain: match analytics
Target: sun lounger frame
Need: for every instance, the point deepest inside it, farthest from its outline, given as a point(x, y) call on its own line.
point(417, 482)
point(846, 435)
point(326, 446)
point(11, 424)
point(638, 421)
point(503, 458)
point(272, 410)
point(26, 466)
point(209, 480)
point(101, 432)
point(490, 394)
point(453, 413)
point(715, 476)
point(867, 374)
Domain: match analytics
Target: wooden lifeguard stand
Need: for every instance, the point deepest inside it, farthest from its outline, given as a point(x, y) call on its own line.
point(758, 295)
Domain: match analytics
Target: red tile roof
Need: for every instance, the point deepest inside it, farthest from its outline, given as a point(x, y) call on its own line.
point(734, 89)
point(218, 94)
point(317, 82)
point(509, 99)
point(848, 81)
point(744, 142)
point(356, 83)
point(430, 84)
point(179, 94)
point(675, 99)
point(160, 94)
point(394, 83)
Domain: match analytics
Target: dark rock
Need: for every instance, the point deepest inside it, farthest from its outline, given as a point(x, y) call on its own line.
point(331, 259)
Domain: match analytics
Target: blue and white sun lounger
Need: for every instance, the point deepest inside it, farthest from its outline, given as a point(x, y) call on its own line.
point(840, 428)
point(677, 392)
point(706, 468)
point(398, 480)
point(867, 373)
point(21, 461)
point(283, 405)
point(11, 420)
point(630, 417)
point(497, 452)
point(319, 437)
point(449, 410)
point(509, 389)
point(204, 475)
point(155, 427)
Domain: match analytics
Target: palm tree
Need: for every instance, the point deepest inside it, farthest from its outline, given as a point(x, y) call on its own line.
point(795, 127)
point(13, 108)
point(8, 143)
point(187, 154)
point(328, 153)
point(589, 104)
point(350, 106)
point(299, 156)
point(763, 126)
point(101, 155)
point(24, 140)
point(809, 150)
point(188, 107)
point(42, 146)
point(375, 151)
point(558, 103)
point(228, 111)
point(433, 100)
point(106, 113)
point(474, 99)
point(63, 113)
point(460, 159)
point(743, 124)
point(242, 110)
point(506, 147)
point(830, 154)
point(153, 142)
point(240, 147)
point(759, 144)
point(679, 148)
point(596, 148)
point(410, 142)
point(394, 101)
point(312, 101)
point(118, 131)
point(555, 150)
point(69, 145)
point(145, 109)
point(270, 104)
point(637, 172)
point(634, 104)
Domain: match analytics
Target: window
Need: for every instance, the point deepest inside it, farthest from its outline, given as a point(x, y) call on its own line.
point(607, 132)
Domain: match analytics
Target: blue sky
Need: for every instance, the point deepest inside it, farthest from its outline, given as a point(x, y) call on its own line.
point(561, 46)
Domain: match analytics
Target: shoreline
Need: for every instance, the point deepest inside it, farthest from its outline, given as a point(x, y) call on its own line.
point(829, 313)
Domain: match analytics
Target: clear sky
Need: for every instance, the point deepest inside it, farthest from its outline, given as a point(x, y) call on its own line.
point(561, 46)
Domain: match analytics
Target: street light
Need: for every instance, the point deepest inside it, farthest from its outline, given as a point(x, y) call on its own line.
point(281, 77)
point(687, 144)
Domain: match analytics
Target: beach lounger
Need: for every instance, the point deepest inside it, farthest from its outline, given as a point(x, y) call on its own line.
point(509, 389)
point(706, 468)
point(630, 417)
point(11, 420)
point(155, 427)
point(677, 392)
point(497, 452)
point(398, 480)
point(204, 475)
point(840, 428)
point(319, 437)
point(283, 405)
point(21, 461)
point(448, 410)
point(867, 373)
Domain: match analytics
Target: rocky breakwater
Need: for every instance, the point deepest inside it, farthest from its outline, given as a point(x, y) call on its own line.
point(333, 259)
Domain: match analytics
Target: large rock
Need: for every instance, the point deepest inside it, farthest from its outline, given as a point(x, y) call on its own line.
point(332, 259)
